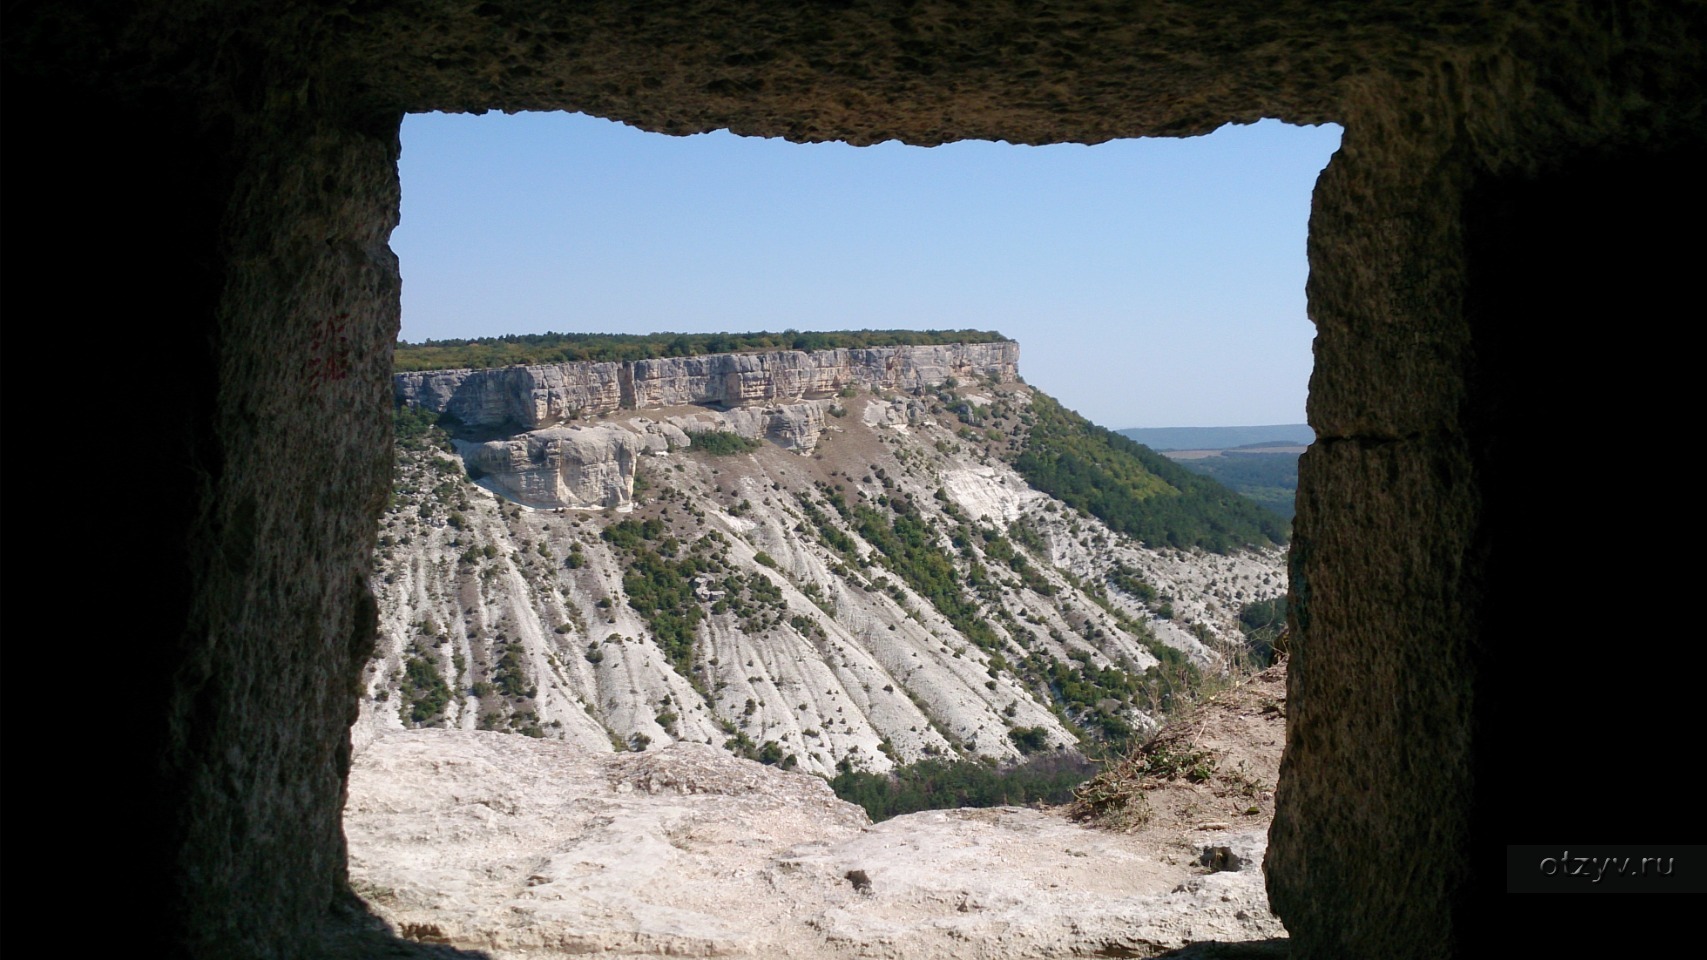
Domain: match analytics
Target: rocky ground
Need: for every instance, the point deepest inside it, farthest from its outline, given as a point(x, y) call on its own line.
point(531, 848)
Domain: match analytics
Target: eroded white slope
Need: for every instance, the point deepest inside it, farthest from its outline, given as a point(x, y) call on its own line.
point(831, 658)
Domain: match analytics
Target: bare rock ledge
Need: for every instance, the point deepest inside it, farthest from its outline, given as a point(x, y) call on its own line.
point(529, 848)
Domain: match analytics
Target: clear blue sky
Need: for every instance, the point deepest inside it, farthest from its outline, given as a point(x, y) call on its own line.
point(1149, 282)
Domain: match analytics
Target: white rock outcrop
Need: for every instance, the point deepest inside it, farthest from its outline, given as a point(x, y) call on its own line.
point(575, 467)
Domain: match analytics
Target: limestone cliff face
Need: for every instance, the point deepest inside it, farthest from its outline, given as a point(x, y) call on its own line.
point(737, 379)
point(528, 397)
point(779, 397)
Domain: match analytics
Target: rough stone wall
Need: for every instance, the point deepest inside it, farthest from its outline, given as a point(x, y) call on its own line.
point(211, 212)
point(283, 620)
point(1376, 791)
point(926, 71)
point(1425, 691)
point(238, 159)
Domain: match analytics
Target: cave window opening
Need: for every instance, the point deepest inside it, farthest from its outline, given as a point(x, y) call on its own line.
point(1150, 284)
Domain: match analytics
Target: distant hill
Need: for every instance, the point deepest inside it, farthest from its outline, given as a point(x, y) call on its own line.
point(1135, 490)
point(1260, 463)
point(1217, 438)
point(1267, 475)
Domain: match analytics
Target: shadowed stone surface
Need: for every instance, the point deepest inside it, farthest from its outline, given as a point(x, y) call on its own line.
point(238, 159)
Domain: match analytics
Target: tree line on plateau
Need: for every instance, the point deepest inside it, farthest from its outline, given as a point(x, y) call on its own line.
point(544, 348)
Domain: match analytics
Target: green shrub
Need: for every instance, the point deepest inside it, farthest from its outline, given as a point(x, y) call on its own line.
point(1029, 740)
point(424, 693)
point(510, 678)
point(721, 443)
point(940, 784)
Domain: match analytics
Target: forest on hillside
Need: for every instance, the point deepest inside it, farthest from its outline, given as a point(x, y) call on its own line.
point(1135, 490)
point(542, 348)
point(1270, 479)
